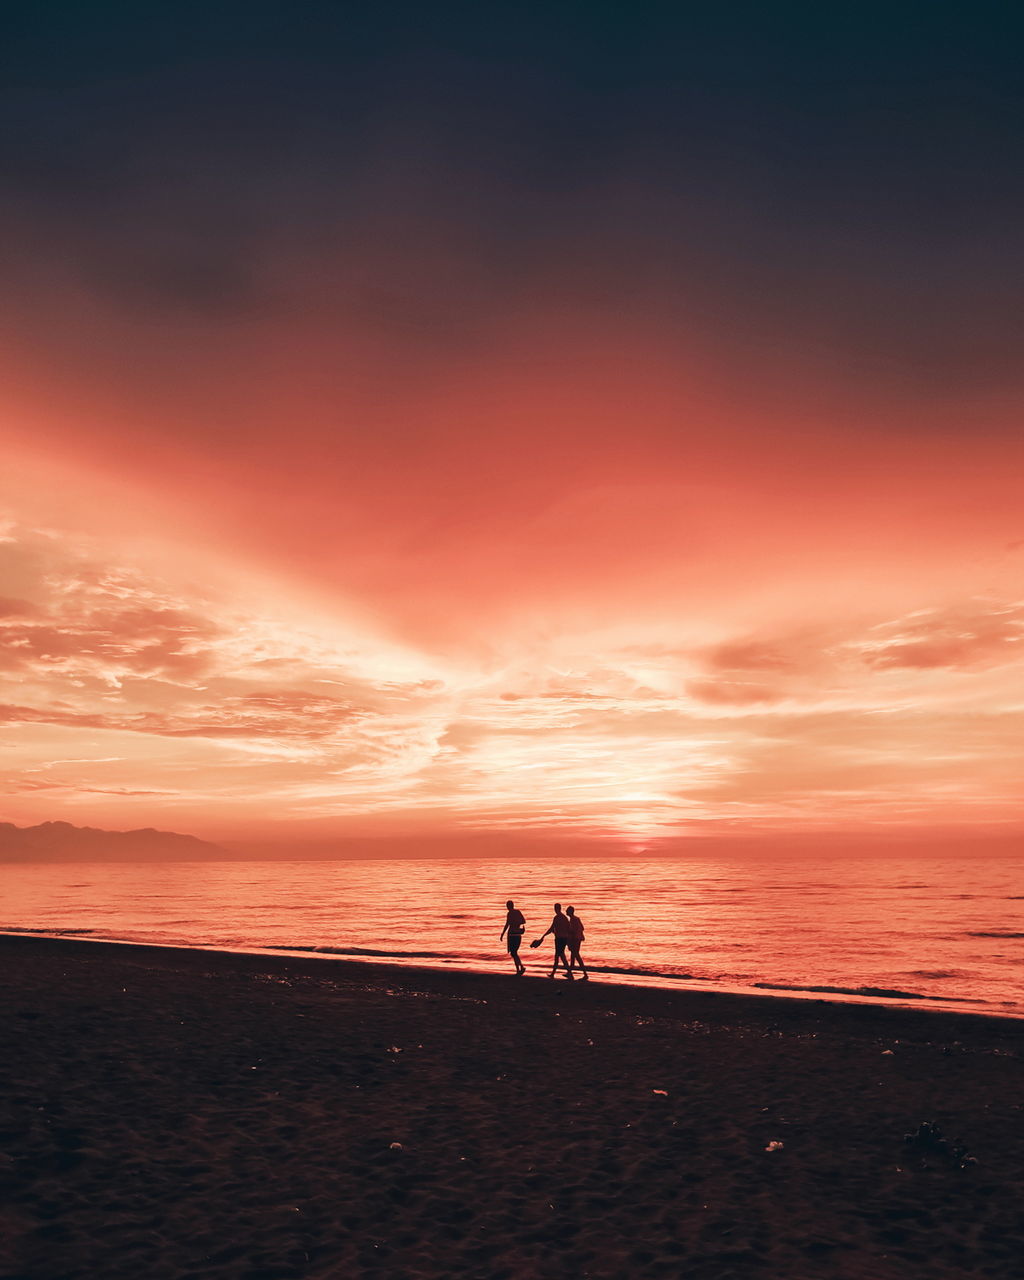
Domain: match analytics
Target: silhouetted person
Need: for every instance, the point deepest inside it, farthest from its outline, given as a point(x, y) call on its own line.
point(576, 936)
point(515, 926)
point(559, 926)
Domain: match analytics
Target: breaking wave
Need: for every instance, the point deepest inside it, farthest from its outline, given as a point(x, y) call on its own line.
point(367, 951)
point(878, 993)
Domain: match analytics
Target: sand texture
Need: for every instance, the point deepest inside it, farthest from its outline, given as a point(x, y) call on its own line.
point(171, 1114)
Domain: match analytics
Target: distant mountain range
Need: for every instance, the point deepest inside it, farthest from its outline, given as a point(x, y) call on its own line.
point(62, 842)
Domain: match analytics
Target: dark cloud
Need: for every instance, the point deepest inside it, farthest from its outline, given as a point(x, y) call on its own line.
point(849, 183)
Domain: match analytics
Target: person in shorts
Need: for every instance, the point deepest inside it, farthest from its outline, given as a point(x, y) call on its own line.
point(515, 926)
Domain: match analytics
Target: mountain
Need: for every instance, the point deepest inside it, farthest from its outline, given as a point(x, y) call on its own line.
point(62, 842)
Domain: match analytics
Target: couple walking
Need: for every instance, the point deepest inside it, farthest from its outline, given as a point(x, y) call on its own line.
point(567, 931)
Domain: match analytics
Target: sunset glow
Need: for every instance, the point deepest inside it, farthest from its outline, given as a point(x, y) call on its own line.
point(634, 661)
point(425, 491)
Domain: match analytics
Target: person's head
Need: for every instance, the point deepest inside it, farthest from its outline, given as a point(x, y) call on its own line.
point(510, 904)
point(558, 908)
point(570, 911)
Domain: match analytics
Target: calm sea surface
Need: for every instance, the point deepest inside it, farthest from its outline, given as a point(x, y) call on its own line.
point(937, 932)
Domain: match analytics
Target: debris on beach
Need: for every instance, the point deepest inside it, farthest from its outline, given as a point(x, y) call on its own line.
point(774, 1146)
point(662, 1092)
point(396, 1146)
point(928, 1141)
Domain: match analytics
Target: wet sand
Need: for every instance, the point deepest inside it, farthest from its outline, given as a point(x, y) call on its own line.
point(182, 1114)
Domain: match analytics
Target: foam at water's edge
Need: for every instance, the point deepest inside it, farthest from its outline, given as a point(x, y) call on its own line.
point(877, 993)
point(52, 933)
point(363, 951)
point(640, 977)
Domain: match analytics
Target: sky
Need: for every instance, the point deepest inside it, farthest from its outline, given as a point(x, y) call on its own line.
point(486, 426)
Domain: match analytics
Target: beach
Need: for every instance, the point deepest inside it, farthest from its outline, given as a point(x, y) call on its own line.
point(172, 1113)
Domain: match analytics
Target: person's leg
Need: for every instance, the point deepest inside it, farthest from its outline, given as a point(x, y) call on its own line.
point(577, 961)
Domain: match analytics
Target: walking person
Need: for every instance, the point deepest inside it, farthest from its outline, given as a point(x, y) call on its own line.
point(559, 927)
point(576, 936)
point(515, 927)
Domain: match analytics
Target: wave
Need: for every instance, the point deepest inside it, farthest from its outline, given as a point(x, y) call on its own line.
point(50, 933)
point(639, 972)
point(661, 975)
point(879, 993)
point(994, 933)
point(367, 951)
point(630, 971)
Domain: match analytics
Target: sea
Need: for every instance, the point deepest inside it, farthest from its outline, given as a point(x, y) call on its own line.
point(935, 933)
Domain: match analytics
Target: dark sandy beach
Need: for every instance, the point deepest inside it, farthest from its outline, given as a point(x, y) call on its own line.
point(172, 1114)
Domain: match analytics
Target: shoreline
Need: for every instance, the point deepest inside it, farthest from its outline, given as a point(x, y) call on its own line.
point(656, 999)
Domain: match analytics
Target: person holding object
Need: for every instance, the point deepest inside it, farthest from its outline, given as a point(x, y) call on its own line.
point(559, 927)
point(515, 927)
point(576, 936)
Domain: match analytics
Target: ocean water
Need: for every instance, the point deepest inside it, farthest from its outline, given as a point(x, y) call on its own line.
point(939, 933)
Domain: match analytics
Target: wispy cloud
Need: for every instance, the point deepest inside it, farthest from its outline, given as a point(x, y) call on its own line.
point(976, 634)
point(122, 688)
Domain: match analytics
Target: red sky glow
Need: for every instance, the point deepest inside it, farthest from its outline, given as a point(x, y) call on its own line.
point(581, 625)
point(489, 436)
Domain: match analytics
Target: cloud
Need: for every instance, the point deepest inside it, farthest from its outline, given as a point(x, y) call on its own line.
point(16, 610)
point(732, 693)
point(122, 684)
point(111, 649)
point(748, 655)
point(283, 715)
point(955, 638)
point(74, 787)
point(276, 714)
point(97, 623)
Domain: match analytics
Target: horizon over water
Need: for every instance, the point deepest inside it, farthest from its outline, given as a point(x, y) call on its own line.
point(939, 932)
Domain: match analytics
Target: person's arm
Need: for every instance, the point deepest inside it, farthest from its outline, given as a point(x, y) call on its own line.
point(502, 938)
point(547, 930)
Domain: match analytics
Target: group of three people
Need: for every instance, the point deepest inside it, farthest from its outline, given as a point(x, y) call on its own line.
point(566, 929)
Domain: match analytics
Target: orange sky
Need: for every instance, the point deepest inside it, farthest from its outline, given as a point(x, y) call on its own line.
point(569, 588)
point(484, 422)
